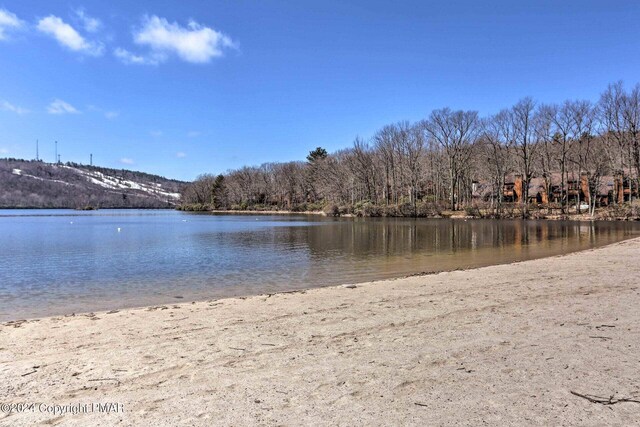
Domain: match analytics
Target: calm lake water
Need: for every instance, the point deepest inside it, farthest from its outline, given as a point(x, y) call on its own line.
point(58, 261)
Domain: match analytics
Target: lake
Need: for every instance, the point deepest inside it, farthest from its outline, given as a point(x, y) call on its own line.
point(61, 261)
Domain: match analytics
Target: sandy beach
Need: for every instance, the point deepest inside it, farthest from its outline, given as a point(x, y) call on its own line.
point(499, 345)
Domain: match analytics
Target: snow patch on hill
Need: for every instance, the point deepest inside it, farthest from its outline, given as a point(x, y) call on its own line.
point(116, 183)
point(22, 173)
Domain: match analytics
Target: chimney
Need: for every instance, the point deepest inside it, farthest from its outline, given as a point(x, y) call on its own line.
point(619, 186)
point(517, 188)
point(545, 196)
point(584, 186)
point(546, 183)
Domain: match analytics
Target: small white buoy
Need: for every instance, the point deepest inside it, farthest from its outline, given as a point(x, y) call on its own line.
point(118, 229)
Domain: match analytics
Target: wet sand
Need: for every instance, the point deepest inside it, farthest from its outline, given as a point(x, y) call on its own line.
point(499, 345)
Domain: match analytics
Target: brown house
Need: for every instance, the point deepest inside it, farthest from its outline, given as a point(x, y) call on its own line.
point(548, 189)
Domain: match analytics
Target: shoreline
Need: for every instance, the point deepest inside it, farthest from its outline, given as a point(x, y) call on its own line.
point(456, 215)
point(88, 210)
point(179, 300)
point(249, 212)
point(504, 344)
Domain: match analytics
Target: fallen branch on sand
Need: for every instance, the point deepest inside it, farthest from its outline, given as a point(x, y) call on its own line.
point(104, 379)
point(604, 400)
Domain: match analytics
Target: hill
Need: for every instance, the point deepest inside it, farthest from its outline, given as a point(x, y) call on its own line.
point(35, 184)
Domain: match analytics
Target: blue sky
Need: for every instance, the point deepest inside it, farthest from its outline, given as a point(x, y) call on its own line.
point(179, 88)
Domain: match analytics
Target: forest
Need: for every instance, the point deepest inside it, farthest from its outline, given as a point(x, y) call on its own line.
point(568, 155)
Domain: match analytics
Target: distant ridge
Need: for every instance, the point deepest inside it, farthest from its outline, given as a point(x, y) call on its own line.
point(35, 184)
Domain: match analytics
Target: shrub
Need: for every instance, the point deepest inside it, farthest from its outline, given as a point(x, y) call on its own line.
point(406, 209)
point(241, 207)
point(345, 210)
point(635, 210)
point(473, 211)
point(391, 211)
point(315, 207)
point(623, 211)
point(331, 210)
point(300, 207)
point(367, 208)
point(537, 214)
point(428, 209)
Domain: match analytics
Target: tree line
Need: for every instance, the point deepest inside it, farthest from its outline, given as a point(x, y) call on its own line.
point(440, 162)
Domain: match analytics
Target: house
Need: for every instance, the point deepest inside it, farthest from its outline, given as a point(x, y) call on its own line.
point(547, 189)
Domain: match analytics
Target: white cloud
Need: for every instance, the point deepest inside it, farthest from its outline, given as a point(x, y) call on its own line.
point(109, 114)
point(194, 43)
point(156, 133)
point(7, 106)
point(126, 161)
point(58, 106)
point(193, 134)
point(181, 155)
point(130, 58)
point(4, 151)
point(89, 23)
point(68, 37)
point(8, 22)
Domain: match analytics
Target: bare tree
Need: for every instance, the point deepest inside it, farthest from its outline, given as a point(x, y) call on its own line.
point(610, 112)
point(524, 143)
point(631, 117)
point(496, 146)
point(362, 165)
point(556, 126)
point(455, 132)
point(584, 122)
point(384, 143)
